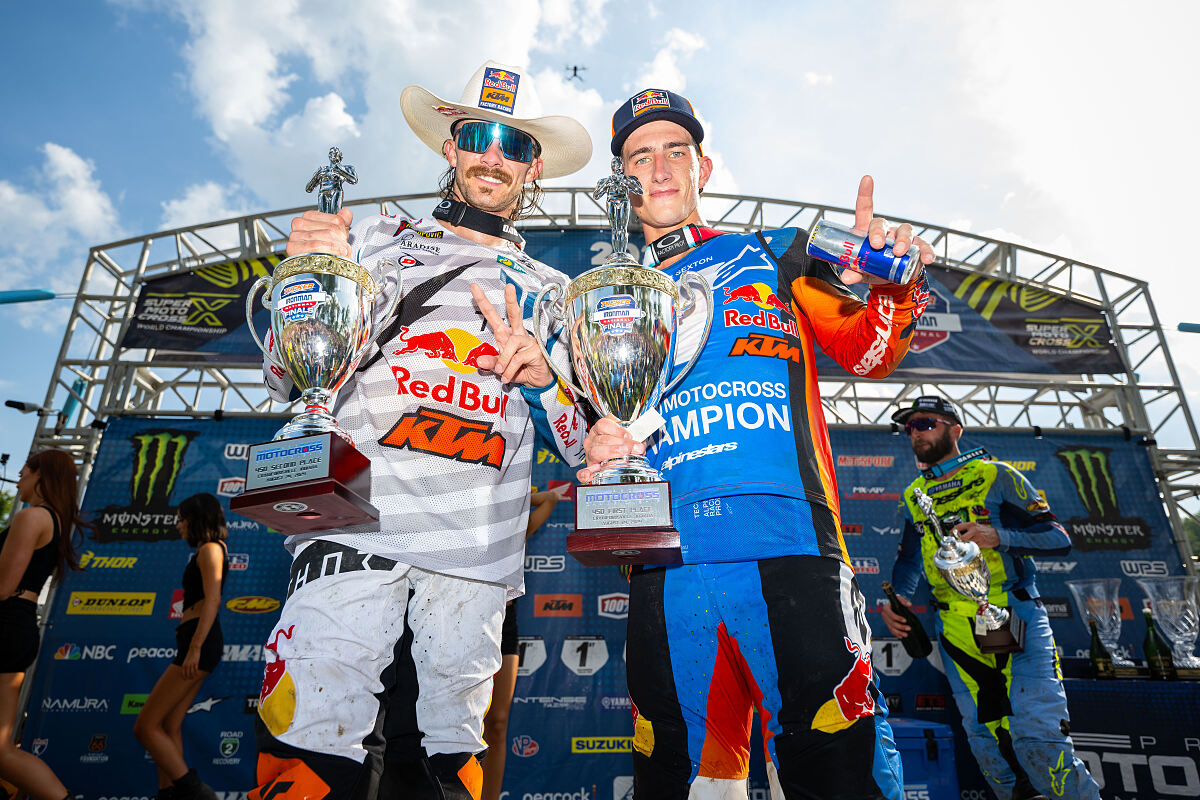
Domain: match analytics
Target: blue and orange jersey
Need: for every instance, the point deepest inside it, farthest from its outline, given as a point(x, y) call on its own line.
point(991, 493)
point(745, 446)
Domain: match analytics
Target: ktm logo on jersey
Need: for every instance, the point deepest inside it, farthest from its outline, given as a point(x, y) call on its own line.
point(760, 344)
point(444, 434)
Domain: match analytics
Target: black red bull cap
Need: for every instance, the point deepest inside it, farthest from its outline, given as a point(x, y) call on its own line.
point(930, 403)
point(650, 105)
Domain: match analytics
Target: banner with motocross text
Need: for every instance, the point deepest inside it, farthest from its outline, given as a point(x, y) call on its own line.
point(201, 312)
point(569, 735)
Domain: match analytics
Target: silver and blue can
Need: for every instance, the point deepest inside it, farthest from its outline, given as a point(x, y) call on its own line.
point(837, 244)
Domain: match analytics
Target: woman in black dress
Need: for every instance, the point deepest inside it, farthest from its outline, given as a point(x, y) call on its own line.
point(36, 545)
point(199, 643)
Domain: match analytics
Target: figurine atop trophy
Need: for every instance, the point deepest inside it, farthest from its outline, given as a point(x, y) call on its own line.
point(622, 320)
point(310, 477)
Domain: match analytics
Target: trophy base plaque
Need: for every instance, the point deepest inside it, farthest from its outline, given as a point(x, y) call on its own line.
point(312, 483)
point(624, 523)
point(1008, 639)
point(1187, 673)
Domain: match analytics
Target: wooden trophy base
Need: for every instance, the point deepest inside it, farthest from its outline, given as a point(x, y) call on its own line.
point(1007, 639)
point(624, 523)
point(311, 483)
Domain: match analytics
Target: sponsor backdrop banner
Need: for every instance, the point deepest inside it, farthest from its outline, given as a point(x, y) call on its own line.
point(203, 311)
point(569, 733)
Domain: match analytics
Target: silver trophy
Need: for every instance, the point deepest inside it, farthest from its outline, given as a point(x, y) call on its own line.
point(963, 566)
point(322, 307)
point(1175, 603)
point(622, 320)
point(1098, 602)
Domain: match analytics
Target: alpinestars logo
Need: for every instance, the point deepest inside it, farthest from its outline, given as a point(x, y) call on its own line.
point(441, 433)
point(157, 462)
point(1103, 528)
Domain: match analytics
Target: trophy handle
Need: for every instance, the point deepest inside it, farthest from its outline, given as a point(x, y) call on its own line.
point(264, 280)
point(688, 303)
point(548, 289)
point(395, 301)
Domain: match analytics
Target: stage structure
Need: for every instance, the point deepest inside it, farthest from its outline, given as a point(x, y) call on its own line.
point(96, 377)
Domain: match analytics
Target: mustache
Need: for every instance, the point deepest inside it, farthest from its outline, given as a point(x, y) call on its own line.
point(487, 172)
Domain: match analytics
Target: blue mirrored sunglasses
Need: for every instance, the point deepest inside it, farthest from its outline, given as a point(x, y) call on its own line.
point(515, 145)
point(923, 424)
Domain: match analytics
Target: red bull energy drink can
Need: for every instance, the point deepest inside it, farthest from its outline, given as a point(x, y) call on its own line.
point(837, 244)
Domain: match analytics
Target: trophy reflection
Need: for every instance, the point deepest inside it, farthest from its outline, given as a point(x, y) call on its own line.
point(964, 568)
point(311, 477)
point(622, 320)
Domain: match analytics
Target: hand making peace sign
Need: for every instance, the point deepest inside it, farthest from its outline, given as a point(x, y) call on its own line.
point(520, 360)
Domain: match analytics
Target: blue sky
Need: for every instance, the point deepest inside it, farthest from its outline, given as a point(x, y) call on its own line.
point(1059, 125)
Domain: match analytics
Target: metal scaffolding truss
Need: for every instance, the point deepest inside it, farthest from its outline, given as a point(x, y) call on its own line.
point(94, 378)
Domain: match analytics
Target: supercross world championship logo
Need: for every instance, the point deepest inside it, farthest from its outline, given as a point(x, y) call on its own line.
point(1104, 528)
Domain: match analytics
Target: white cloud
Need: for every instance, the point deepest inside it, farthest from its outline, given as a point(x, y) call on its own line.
point(818, 79)
point(205, 202)
point(664, 71)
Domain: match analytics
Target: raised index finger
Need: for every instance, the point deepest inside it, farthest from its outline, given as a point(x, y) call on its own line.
point(864, 204)
point(488, 310)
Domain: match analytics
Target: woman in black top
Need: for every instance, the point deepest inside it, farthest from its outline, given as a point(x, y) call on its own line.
point(199, 644)
point(36, 545)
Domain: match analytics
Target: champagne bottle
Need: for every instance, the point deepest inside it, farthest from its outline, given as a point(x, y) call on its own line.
point(1158, 657)
point(917, 643)
point(1102, 665)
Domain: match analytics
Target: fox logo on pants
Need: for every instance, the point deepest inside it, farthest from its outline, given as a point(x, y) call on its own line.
point(852, 697)
point(277, 699)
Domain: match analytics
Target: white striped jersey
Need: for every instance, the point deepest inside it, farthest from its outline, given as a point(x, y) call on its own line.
point(451, 447)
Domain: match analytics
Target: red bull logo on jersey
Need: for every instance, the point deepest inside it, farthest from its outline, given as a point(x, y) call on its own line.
point(736, 318)
point(760, 294)
point(457, 349)
point(457, 392)
point(616, 314)
point(499, 91)
point(650, 98)
point(852, 697)
point(277, 698)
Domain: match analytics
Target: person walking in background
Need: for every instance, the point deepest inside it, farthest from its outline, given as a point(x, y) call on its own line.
point(504, 683)
point(36, 545)
point(199, 644)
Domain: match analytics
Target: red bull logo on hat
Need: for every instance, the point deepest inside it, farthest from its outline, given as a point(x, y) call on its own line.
point(651, 98)
point(499, 92)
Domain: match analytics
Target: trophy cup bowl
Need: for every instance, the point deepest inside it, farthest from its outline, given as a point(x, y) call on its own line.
point(1097, 599)
point(1175, 603)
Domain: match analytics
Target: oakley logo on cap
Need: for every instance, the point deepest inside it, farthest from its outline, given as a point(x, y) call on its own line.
point(499, 91)
point(650, 99)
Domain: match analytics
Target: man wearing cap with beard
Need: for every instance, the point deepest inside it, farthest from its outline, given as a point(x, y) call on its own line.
point(764, 612)
point(1013, 706)
point(445, 407)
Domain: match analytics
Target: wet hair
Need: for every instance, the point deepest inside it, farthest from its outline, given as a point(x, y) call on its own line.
point(205, 519)
point(58, 483)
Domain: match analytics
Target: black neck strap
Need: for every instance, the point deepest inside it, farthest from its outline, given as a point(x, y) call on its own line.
point(460, 214)
point(941, 468)
point(677, 241)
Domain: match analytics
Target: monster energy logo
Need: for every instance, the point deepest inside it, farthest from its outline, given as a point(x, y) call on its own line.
point(1091, 473)
point(158, 457)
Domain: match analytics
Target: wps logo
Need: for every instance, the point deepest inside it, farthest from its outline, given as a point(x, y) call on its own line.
point(1144, 569)
point(543, 563)
point(252, 604)
point(441, 433)
point(558, 605)
point(762, 345)
point(613, 606)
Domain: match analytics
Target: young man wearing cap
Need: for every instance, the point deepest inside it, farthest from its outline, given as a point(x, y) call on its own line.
point(445, 407)
point(765, 611)
point(1012, 704)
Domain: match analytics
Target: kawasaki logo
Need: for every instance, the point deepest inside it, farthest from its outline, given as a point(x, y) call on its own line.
point(1091, 475)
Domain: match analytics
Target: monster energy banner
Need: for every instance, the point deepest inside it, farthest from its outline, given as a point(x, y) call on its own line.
point(201, 312)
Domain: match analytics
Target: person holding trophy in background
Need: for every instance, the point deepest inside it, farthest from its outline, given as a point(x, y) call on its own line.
point(1009, 693)
point(445, 406)
point(764, 611)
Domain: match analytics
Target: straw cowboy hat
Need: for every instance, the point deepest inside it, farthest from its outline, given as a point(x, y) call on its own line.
point(504, 94)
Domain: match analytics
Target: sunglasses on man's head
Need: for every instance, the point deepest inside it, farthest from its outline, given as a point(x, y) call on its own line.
point(515, 145)
point(923, 424)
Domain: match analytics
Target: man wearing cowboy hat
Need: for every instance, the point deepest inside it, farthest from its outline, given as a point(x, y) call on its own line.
point(1013, 706)
point(770, 617)
point(445, 407)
